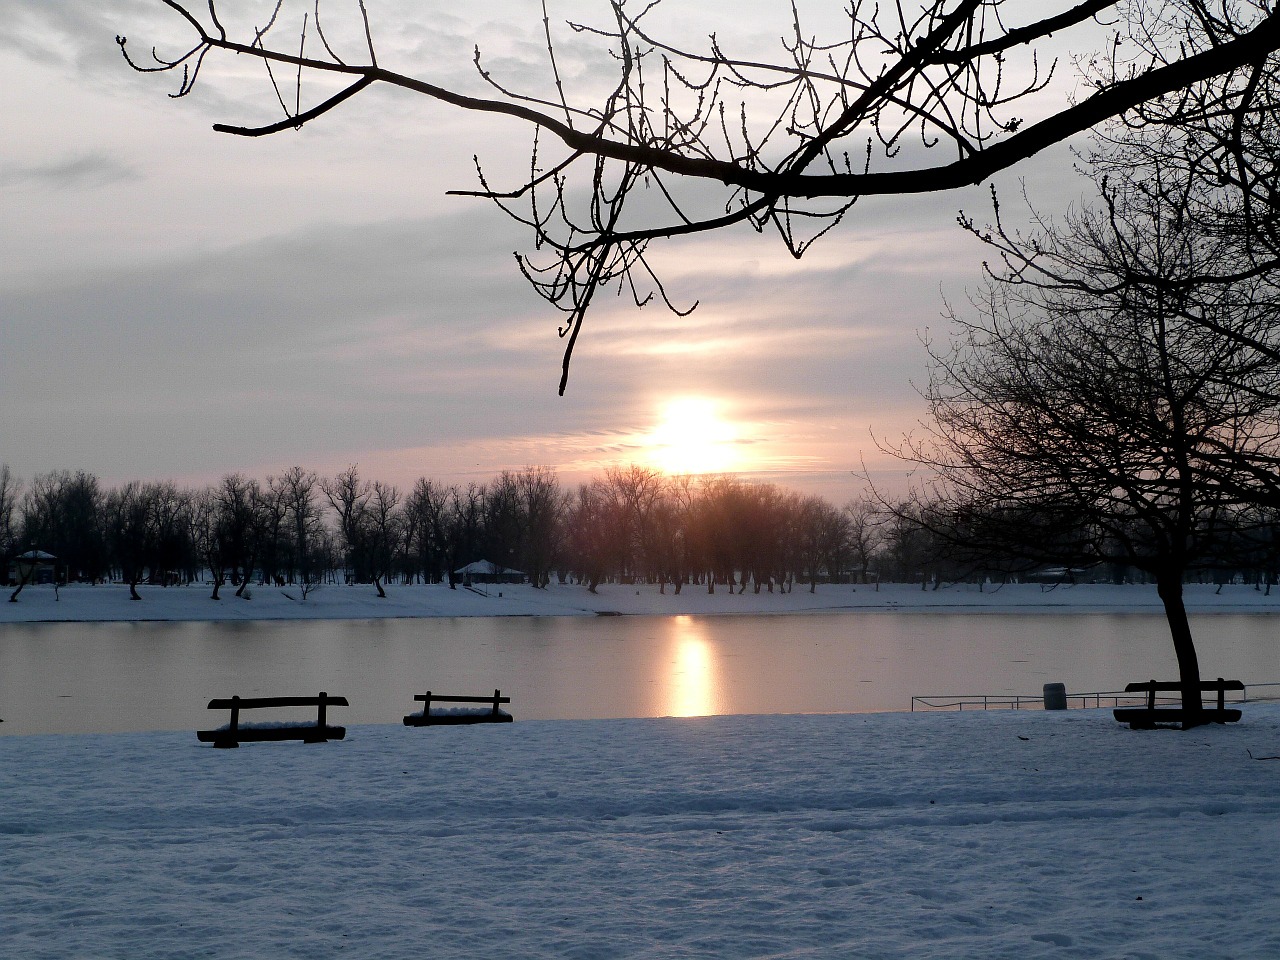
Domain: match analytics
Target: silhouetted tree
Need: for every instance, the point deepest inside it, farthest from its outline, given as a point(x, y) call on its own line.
point(242, 522)
point(1093, 410)
point(10, 491)
point(464, 527)
point(295, 495)
point(62, 515)
point(427, 542)
point(864, 532)
point(349, 497)
point(385, 530)
point(542, 506)
point(131, 531)
point(689, 140)
point(211, 534)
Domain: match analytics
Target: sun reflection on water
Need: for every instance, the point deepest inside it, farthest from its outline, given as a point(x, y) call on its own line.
point(693, 686)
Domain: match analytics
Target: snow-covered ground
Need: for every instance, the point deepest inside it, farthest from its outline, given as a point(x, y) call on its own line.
point(953, 835)
point(985, 835)
point(111, 601)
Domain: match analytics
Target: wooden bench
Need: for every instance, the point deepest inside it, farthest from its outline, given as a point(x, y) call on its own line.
point(235, 734)
point(427, 719)
point(1146, 718)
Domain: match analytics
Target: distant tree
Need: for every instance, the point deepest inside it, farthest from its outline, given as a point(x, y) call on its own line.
point(62, 515)
point(503, 522)
point(906, 542)
point(130, 513)
point(272, 509)
point(674, 530)
point(10, 492)
point(174, 558)
point(864, 517)
point(464, 528)
point(297, 492)
point(593, 523)
point(385, 531)
point(212, 536)
point(542, 506)
point(687, 141)
point(242, 521)
point(349, 497)
point(631, 496)
point(427, 542)
point(824, 535)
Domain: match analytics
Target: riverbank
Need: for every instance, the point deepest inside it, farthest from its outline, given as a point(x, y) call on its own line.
point(110, 602)
point(997, 835)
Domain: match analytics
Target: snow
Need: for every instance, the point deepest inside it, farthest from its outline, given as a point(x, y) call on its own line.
point(465, 712)
point(940, 835)
point(1019, 835)
point(80, 602)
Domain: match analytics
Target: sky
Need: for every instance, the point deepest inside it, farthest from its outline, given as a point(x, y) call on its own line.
point(179, 304)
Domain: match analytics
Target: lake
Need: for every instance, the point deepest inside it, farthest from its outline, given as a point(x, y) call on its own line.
point(107, 677)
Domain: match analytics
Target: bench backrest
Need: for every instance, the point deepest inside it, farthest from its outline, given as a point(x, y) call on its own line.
point(250, 703)
point(1168, 686)
point(430, 697)
point(1152, 687)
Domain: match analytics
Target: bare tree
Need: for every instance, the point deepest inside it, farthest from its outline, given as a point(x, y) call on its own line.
point(208, 524)
point(10, 491)
point(542, 504)
point(1093, 411)
point(464, 527)
point(174, 550)
point(131, 531)
point(386, 529)
point(425, 512)
point(242, 520)
point(593, 524)
point(864, 532)
point(349, 497)
point(296, 492)
point(898, 99)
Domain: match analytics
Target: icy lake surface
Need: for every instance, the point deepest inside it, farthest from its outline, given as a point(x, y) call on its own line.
point(111, 677)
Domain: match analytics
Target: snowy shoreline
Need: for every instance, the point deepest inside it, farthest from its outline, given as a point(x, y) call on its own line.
point(889, 836)
point(110, 602)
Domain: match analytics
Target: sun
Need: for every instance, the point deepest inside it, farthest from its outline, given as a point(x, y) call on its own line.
point(692, 438)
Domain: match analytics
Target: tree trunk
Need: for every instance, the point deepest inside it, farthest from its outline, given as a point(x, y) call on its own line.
point(1169, 586)
point(22, 582)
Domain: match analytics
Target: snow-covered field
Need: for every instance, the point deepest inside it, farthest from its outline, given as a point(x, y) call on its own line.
point(1016, 835)
point(953, 835)
point(111, 601)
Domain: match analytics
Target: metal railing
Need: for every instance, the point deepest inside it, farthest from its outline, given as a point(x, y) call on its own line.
point(1078, 701)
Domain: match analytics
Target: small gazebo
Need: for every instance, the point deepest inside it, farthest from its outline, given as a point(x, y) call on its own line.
point(32, 567)
point(485, 571)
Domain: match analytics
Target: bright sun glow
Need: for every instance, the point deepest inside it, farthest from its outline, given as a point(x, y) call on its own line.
point(693, 439)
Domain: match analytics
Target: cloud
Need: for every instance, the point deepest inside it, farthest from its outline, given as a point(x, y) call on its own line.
point(80, 171)
point(179, 303)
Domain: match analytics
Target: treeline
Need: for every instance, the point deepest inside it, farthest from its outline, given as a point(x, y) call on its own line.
point(632, 525)
point(298, 529)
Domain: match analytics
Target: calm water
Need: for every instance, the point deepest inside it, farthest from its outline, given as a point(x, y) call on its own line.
point(64, 678)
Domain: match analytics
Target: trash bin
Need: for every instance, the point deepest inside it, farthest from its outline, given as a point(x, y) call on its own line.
point(1055, 696)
